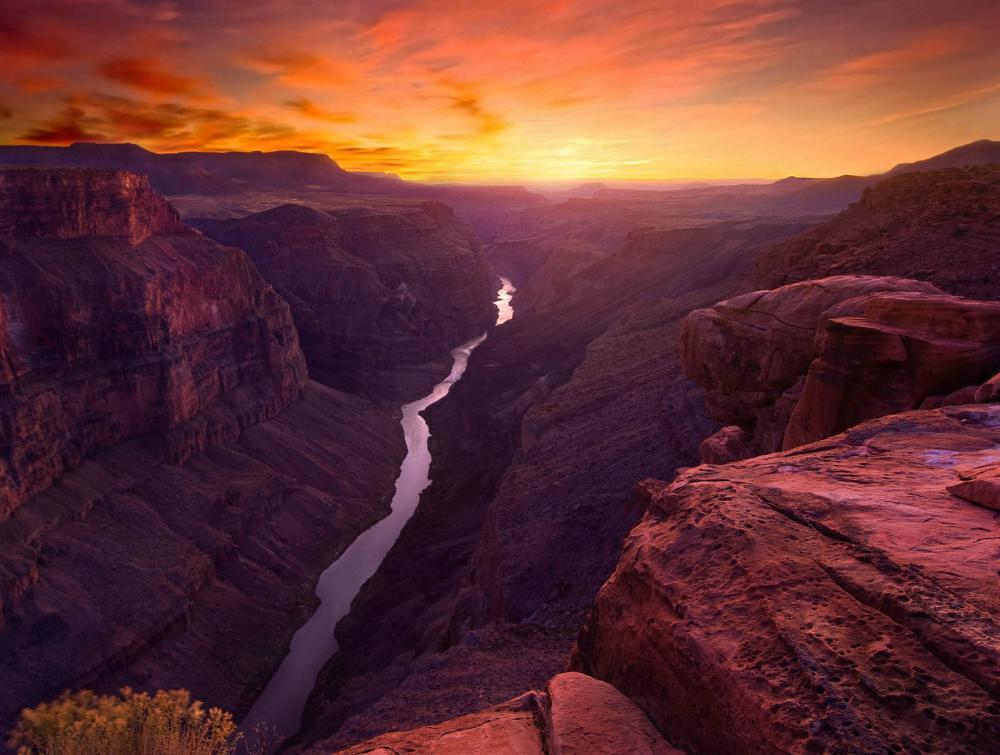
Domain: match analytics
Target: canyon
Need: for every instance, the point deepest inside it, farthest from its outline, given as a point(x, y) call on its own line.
point(372, 290)
point(502, 568)
point(727, 482)
point(168, 461)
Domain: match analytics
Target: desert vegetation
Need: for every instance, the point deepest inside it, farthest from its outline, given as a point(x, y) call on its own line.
point(130, 723)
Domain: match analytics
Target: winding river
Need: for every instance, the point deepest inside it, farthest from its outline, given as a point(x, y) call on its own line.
point(281, 704)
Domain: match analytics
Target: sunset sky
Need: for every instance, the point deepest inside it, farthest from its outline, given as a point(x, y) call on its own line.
point(516, 90)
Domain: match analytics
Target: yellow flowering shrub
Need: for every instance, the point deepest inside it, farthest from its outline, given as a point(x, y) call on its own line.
point(132, 723)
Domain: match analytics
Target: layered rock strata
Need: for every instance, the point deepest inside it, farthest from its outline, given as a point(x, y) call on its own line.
point(172, 484)
point(810, 359)
point(836, 598)
point(371, 290)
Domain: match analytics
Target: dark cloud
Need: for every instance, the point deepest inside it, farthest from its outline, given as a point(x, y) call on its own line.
point(89, 116)
point(148, 75)
point(71, 125)
point(471, 105)
point(21, 41)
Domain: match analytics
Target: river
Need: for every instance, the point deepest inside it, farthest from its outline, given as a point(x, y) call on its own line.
point(282, 702)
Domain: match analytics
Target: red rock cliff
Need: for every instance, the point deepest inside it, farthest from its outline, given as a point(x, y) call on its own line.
point(372, 289)
point(172, 484)
point(119, 322)
point(810, 359)
point(836, 598)
point(938, 226)
point(74, 204)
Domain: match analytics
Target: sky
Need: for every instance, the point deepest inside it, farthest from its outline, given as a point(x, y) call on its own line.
point(512, 90)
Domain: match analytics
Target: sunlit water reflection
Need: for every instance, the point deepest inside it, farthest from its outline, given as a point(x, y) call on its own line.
point(280, 706)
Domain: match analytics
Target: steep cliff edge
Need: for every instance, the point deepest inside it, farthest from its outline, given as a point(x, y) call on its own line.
point(834, 598)
point(172, 482)
point(571, 404)
point(810, 359)
point(372, 290)
point(73, 204)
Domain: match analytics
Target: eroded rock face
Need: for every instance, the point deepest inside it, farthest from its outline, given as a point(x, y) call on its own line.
point(837, 598)
point(370, 289)
point(751, 351)
point(575, 715)
point(75, 204)
point(171, 483)
point(810, 359)
point(902, 349)
point(110, 333)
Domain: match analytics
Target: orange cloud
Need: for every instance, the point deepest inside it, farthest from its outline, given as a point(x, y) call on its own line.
point(310, 109)
point(548, 89)
point(929, 46)
point(296, 68)
point(471, 104)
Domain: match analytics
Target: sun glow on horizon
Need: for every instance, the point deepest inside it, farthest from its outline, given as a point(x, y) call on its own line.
point(534, 91)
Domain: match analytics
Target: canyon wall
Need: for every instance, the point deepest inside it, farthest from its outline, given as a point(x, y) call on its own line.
point(482, 596)
point(374, 291)
point(119, 322)
point(172, 482)
point(581, 396)
point(936, 226)
point(840, 596)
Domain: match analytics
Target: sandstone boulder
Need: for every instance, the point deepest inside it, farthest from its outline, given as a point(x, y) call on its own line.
point(900, 350)
point(989, 391)
point(590, 717)
point(575, 715)
point(834, 598)
point(725, 445)
point(810, 359)
point(511, 729)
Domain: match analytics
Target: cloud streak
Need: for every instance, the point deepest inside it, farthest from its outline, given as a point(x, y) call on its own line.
point(449, 90)
point(148, 75)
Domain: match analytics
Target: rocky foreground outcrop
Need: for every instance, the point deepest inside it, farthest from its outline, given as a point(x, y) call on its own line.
point(810, 359)
point(372, 289)
point(574, 715)
point(172, 483)
point(835, 598)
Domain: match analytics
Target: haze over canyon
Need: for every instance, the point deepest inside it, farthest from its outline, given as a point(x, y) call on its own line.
point(434, 378)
